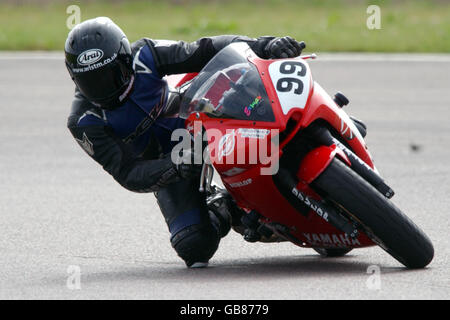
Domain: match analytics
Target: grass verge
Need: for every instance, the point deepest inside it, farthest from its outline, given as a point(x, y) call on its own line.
point(325, 25)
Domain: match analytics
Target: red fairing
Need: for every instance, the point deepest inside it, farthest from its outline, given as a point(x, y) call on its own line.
point(176, 80)
point(319, 106)
point(317, 160)
point(295, 98)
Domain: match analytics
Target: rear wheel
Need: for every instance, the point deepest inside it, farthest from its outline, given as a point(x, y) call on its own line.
point(376, 215)
point(332, 252)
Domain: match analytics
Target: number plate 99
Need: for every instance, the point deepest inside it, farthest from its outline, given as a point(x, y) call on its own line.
point(292, 81)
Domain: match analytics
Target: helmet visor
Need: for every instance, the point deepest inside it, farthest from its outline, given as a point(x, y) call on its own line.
point(104, 82)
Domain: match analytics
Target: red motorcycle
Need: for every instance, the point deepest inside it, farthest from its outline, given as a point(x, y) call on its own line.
point(292, 159)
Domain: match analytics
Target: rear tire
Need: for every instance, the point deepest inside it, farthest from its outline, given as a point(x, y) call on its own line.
point(331, 252)
point(377, 216)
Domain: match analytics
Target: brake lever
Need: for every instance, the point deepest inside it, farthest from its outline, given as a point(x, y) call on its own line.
point(310, 56)
point(206, 178)
point(202, 177)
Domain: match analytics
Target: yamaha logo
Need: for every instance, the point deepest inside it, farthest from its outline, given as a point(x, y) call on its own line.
point(90, 56)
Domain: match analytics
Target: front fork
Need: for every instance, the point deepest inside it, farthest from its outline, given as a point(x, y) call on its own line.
point(312, 165)
point(292, 190)
point(324, 137)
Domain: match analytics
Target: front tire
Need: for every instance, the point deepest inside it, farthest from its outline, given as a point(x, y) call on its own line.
point(376, 215)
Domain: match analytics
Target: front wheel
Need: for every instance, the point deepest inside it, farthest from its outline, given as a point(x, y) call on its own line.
point(376, 215)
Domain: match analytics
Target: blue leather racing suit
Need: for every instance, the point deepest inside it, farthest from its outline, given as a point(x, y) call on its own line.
point(133, 142)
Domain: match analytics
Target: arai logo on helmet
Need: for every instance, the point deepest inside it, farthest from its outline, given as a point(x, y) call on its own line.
point(90, 56)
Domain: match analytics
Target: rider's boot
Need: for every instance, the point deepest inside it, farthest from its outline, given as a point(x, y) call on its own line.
point(226, 215)
point(223, 212)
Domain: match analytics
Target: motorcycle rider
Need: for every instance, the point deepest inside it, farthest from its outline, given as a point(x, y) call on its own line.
point(117, 117)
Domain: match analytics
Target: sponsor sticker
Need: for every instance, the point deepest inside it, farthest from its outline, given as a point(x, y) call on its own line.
point(306, 200)
point(241, 183)
point(253, 133)
point(333, 240)
point(233, 171)
point(227, 144)
point(94, 65)
point(89, 57)
point(253, 105)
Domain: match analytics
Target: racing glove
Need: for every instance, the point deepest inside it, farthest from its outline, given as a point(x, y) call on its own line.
point(285, 47)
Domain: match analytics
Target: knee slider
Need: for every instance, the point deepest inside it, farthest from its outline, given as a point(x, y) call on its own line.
point(196, 243)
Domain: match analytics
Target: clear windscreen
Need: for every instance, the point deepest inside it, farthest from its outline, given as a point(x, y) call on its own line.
point(228, 87)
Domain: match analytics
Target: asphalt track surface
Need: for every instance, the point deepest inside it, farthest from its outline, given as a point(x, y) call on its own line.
point(62, 214)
